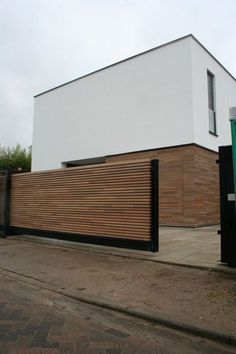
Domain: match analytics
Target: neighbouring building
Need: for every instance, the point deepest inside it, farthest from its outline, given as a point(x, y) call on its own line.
point(170, 103)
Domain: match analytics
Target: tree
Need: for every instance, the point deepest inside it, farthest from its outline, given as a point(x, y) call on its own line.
point(15, 158)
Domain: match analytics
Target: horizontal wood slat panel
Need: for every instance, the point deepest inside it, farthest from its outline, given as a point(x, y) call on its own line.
point(112, 200)
point(188, 184)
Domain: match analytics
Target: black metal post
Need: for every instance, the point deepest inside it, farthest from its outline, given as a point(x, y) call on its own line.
point(7, 203)
point(155, 206)
point(227, 207)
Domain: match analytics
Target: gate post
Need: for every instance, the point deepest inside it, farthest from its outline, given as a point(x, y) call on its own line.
point(7, 203)
point(154, 206)
point(227, 207)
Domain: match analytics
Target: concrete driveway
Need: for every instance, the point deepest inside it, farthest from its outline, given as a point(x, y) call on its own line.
point(193, 247)
point(190, 246)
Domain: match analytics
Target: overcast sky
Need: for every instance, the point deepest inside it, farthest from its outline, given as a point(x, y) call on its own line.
point(44, 43)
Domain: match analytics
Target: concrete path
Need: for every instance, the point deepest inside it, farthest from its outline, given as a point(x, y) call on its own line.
point(197, 300)
point(192, 247)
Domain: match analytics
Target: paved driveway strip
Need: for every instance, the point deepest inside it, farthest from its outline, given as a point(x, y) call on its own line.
point(198, 298)
point(38, 321)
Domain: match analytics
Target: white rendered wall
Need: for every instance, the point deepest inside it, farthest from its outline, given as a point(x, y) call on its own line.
point(225, 97)
point(139, 104)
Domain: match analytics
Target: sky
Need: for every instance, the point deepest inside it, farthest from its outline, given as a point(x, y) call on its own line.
point(44, 43)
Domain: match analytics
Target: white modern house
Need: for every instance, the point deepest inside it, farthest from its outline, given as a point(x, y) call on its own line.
point(177, 93)
point(173, 96)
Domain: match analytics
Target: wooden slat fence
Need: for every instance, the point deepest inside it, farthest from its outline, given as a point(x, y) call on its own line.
point(110, 201)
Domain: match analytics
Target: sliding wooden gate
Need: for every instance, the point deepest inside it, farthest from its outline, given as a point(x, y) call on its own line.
point(113, 204)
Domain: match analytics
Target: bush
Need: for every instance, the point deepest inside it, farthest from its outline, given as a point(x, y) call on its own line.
point(15, 158)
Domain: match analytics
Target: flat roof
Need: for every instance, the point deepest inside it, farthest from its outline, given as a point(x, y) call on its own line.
point(136, 55)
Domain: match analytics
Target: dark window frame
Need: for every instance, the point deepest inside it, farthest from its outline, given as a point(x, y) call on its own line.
point(211, 101)
point(84, 162)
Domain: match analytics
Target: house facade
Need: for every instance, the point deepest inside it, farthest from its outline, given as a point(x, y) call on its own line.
point(171, 103)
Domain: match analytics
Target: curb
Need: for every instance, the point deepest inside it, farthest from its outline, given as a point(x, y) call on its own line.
point(135, 312)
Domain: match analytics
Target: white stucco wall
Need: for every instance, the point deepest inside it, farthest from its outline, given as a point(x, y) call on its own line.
point(225, 97)
point(157, 99)
point(139, 104)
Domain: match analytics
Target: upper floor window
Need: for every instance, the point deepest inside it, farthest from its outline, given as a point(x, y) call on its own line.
point(211, 103)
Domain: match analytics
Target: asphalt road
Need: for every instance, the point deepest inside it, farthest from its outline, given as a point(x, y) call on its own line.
point(35, 320)
point(203, 299)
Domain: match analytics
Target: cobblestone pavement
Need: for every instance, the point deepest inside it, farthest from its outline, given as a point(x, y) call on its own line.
point(34, 320)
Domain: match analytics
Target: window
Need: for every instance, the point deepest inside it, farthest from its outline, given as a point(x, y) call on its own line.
point(83, 162)
point(211, 103)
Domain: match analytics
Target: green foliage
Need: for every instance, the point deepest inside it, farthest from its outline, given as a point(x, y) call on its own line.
point(15, 158)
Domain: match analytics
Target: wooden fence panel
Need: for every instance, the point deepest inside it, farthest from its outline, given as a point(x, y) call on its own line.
point(108, 200)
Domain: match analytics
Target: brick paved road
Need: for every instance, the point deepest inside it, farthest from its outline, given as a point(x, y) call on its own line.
point(34, 320)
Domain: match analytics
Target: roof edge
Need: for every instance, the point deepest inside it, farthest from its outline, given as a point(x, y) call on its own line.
point(137, 55)
point(116, 63)
point(213, 57)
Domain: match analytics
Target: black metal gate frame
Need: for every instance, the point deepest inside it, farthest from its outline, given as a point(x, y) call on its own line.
point(7, 203)
point(152, 245)
point(227, 207)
